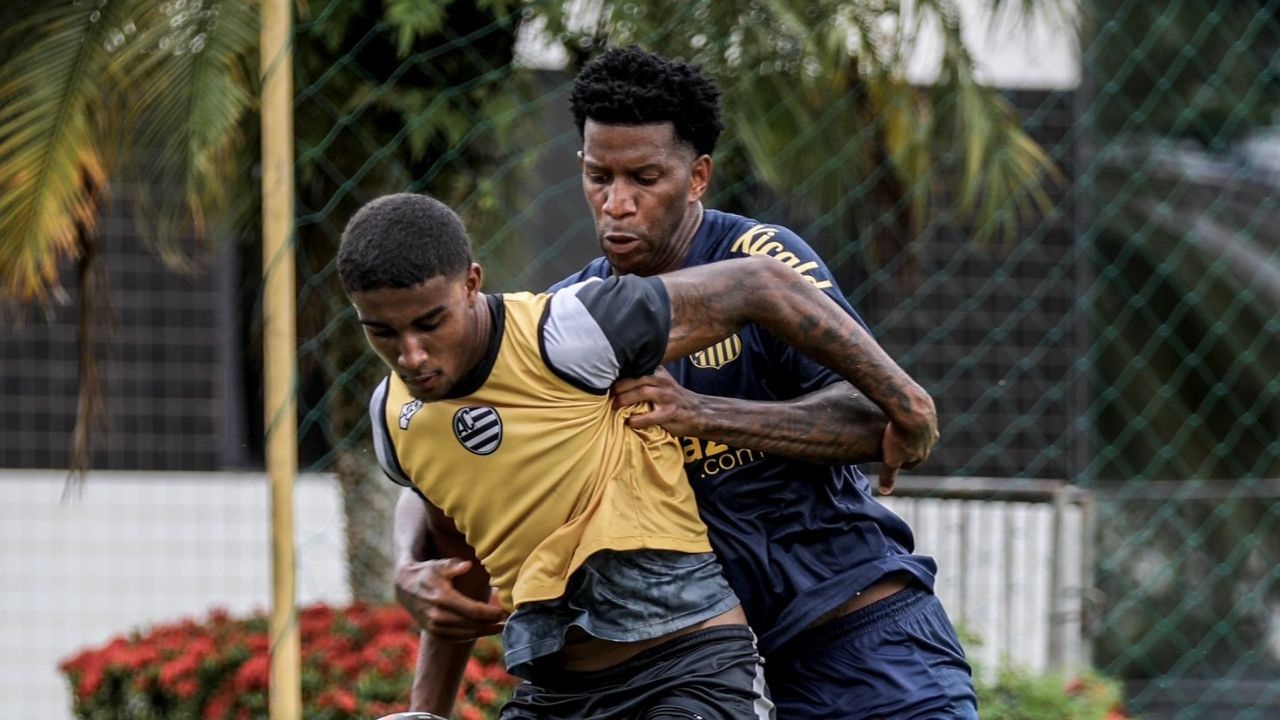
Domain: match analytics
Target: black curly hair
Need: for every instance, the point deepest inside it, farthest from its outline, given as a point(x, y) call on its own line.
point(631, 86)
point(401, 240)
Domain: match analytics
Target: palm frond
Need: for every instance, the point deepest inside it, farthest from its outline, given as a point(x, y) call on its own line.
point(52, 162)
point(96, 90)
point(1021, 14)
point(907, 126)
point(1003, 174)
point(186, 115)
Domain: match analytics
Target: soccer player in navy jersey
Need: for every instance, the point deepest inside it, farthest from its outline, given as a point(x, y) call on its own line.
point(846, 615)
point(497, 413)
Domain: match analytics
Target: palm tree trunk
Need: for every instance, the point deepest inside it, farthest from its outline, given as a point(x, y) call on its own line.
point(94, 311)
point(368, 503)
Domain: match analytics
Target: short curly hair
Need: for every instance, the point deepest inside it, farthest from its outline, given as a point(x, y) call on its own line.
point(399, 241)
point(631, 86)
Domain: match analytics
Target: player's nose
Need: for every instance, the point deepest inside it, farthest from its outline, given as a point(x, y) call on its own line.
point(618, 200)
point(411, 354)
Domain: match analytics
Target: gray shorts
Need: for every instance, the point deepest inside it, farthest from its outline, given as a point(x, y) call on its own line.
point(712, 674)
point(622, 597)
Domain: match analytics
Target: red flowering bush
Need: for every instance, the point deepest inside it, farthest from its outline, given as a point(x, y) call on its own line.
point(357, 663)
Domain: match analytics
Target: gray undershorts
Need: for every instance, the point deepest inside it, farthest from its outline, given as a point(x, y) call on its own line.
point(622, 596)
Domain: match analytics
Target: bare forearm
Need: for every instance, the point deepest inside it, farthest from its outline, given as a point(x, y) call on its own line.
point(410, 531)
point(438, 674)
point(835, 424)
point(441, 662)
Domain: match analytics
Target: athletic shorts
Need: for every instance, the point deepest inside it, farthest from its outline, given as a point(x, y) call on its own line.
point(621, 596)
point(712, 674)
point(898, 659)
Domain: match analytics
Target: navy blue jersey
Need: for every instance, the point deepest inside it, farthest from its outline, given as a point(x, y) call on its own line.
point(795, 539)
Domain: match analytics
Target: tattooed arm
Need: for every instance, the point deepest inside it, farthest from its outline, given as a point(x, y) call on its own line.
point(835, 424)
point(709, 302)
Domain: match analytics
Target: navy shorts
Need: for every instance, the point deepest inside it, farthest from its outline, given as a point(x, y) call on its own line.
point(898, 659)
point(712, 674)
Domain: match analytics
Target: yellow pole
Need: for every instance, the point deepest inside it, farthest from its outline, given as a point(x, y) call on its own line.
point(280, 349)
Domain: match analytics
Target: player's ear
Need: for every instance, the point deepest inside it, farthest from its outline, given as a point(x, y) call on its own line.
point(699, 177)
point(475, 280)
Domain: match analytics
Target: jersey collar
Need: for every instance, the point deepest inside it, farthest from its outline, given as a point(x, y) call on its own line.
point(474, 380)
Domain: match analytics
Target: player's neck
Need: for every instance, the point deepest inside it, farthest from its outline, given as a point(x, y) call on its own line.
point(681, 240)
point(481, 329)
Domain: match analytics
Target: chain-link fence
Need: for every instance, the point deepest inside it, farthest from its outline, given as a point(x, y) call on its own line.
point(1118, 330)
point(1081, 264)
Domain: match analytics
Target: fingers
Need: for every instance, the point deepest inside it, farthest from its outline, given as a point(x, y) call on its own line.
point(657, 415)
point(450, 568)
point(456, 608)
point(622, 385)
point(427, 591)
point(632, 396)
point(888, 478)
point(631, 391)
point(667, 405)
point(649, 386)
point(902, 451)
point(460, 619)
point(638, 391)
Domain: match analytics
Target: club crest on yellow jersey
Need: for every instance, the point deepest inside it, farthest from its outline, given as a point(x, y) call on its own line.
point(407, 411)
point(718, 355)
point(478, 428)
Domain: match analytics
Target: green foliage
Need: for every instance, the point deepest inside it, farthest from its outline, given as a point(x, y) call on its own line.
point(399, 96)
point(1014, 693)
point(1021, 695)
point(413, 19)
point(816, 98)
point(94, 93)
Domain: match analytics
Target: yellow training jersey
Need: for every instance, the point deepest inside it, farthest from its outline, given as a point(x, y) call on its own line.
point(533, 464)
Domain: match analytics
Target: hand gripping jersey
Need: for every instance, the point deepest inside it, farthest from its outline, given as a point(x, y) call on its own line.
point(528, 456)
point(795, 539)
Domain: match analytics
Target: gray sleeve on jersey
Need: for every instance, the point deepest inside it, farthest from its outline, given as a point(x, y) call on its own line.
point(382, 445)
point(597, 331)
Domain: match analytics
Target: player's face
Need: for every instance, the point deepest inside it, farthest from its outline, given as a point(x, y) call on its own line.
point(430, 334)
point(643, 186)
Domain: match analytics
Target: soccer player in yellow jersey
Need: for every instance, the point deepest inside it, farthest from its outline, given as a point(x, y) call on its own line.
point(497, 411)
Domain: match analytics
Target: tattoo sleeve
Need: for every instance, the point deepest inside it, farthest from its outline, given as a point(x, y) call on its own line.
point(711, 301)
point(835, 425)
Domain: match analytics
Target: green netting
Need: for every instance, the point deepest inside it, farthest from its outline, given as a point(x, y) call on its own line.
point(1101, 305)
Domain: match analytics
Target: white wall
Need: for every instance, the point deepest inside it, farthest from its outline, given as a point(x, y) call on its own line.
point(135, 549)
point(1037, 52)
point(142, 548)
point(1040, 51)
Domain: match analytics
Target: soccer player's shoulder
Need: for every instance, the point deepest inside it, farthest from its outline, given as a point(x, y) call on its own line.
point(732, 236)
